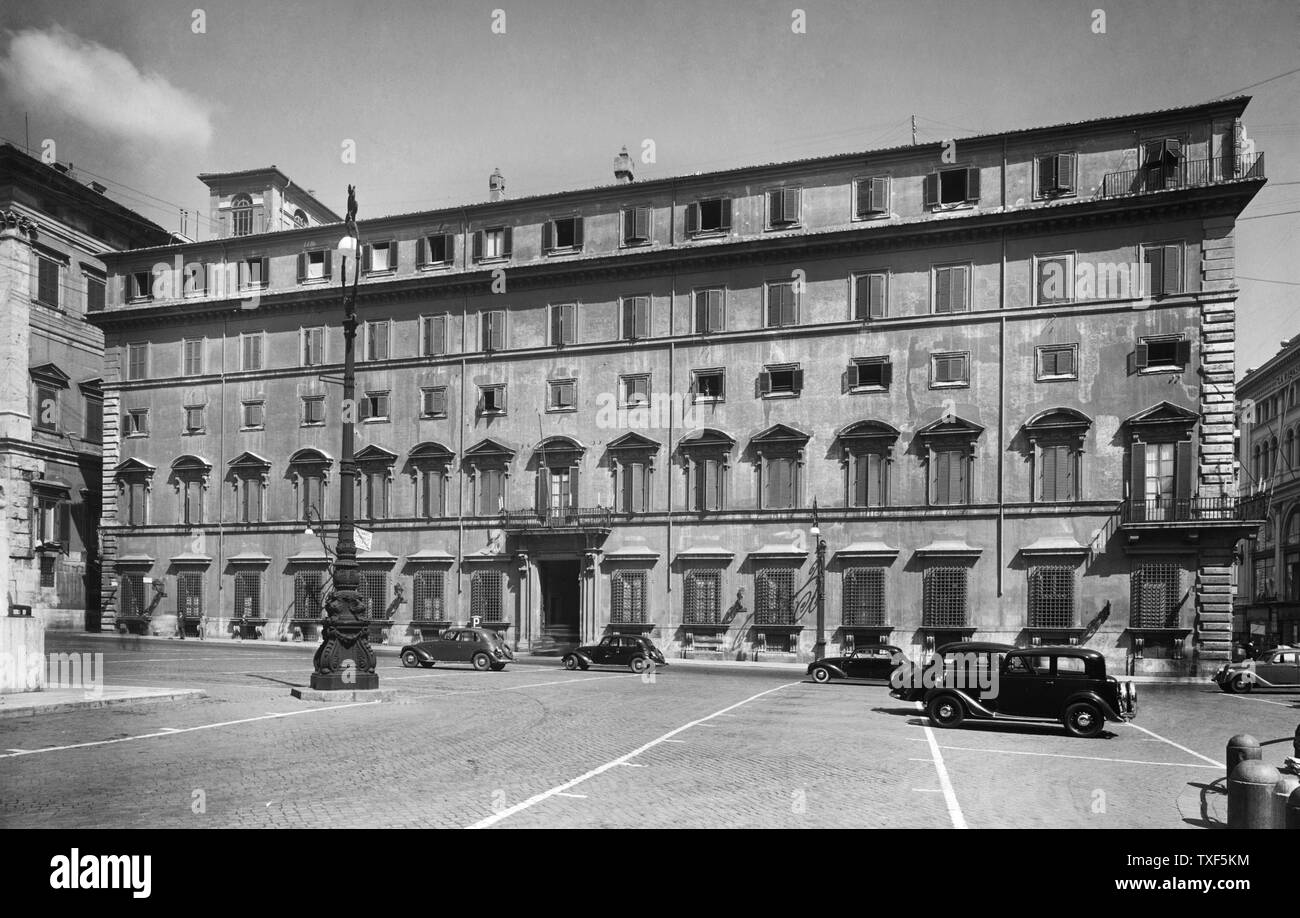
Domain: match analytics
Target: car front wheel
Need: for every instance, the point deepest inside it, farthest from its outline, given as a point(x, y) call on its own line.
point(945, 711)
point(1084, 719)
point(410, 658)
point(639, 665)
point(482, 661)
point(821, 674)
point(570, 662)
point(1241, 684)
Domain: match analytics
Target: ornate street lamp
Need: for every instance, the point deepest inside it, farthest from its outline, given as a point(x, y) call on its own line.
point(345, 661)
point(819, 649)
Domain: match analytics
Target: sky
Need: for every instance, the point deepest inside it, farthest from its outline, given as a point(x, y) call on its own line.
point(144, 96)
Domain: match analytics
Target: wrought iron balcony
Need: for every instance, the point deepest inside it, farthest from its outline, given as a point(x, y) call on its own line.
point(559, 519)
point(1193, 510)
point(1193, 173)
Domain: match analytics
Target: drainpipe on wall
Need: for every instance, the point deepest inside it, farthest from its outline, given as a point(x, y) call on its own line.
point(1002, 381)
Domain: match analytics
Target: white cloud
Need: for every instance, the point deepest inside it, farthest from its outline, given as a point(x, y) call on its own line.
point(59, 72)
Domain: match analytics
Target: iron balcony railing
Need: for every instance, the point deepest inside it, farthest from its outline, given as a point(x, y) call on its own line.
point(1193, 510)
point(1191, 173)
point(558, 518)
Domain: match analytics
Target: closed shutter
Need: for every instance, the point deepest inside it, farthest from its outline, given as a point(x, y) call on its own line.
point(642, 226)
point(1065, 171)
point(876, 288)
point(715, 317)
point(942, 461)
point(875, 480)
point(943, 290)
point(1172, 269)
point(439, 342)
point(1183, 475)
point(713, 484)
point(879, 197)
point(1066, 462)
point(543, 489)
point(790, 205)
point(641, 312)
point(1065, 362)
point(439, 401)
point(861, 473)
point(1048, 478)
point(775, 207)
point(1137, 480)
point(958, 301)
point(957, 478)
point(568, 315)
point(634, 500)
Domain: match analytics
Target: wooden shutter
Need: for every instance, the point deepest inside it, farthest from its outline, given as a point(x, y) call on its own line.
point(775, 207)
point(1066, 463)
point(498, 327)
point(449, 248)
point(712, 484)
point(701, 311)
point(715, 310)
point(557, 325)
point(423, 254)
point(972, 185)
point(957, 478)
point(692, 218)
point(797, 380)
point(578, 232)
point(548, 235)
point(1065, 164)
point(440, 401)
point(853, 374)
point(942, 461)
point(879, 196)
point(1153, 260)
point(861, 474)
point(568, 323)
point(328, 268)
point(959, 281)
point(478, 245)
point(726, 215)
point(862, 297)
point(1065, 362)
point(440, 334)
point(1184, 352)
point(629, 317)
point(641, 316)
point(1173, 280)
point(1152, 151)
point(790, 199)
point(764, 382)
point(1183, 470)
point(508, 245)
point(1137, 479)
point(1047, 166)
point(367, 256)
point(1047, 475)
point(943, 290)
point(573, 486)
point(932, 189)
point(629, 224)
point(63, 523)
point(638, 478)
point(876, 295)
point(875, 480)
point(302, 266)
point(543, 489)
point(642, 228)
point(1140, 356)
point(886, 373)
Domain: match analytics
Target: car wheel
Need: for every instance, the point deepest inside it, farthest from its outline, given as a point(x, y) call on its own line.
point(482, 661)
point(1084, 719)
point(945, 711)
point(821, 674)
point(1225, 687)
point(410, 658)
point(570, 662)
point(1242, 684)
point(639, 665)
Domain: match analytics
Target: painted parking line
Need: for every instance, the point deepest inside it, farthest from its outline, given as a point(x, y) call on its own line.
point(511, 688)
point(949, 796)
point(1191, 752)
point(614, 763)
point(1281, 704)
point(174, 731)
point(179, 658)
point(1089, 758)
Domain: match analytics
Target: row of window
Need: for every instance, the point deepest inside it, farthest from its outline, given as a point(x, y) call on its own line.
point(50, 286)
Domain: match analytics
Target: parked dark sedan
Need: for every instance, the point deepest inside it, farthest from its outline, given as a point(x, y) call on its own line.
point(961, 662)
point(479, 647)
point(873, 662)
point(634, 651)
point(1272, 669)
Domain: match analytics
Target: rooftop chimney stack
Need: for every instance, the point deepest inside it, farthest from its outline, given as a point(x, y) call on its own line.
point(623, 168)
point(496, 186)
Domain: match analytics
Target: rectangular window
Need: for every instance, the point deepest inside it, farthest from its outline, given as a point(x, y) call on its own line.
point(381, 258)
point(708, 216)
point(313, 347)
point(491, 491)
point(784, 380)
point(375, 492)
point(1055, 174)
point(46, 414)
point(95, 288)
point(1057, 361)
point(137, 503)
point(780, 483)
point(140, 286)
point(494, 330)
point(47, 570)
point(374, 407)
point(248, 594)
point(1054, 279)
point(196, 281)
point(47, 281)
point(136, 422)
point(949, 370)
point(1162, 269)
point(636, 225)
point(307, 589)
point(563, 235)
point(709, 484)
point(774, 596)
point(627, 598)
point(437, 250)
point(951, 289)
point(564, 324)
point(1057, 478)
point(782, 304)
point(193, 356)
point(251, 351)
point(946, 187)
point(433, 337)
point(132, 595)
point(870, 373)
point(943, 603)
point(1051, 596)
point(191, 501)
point(709, 385)
point(313, 410)
point(951, 485)
point(870, 296)
point(430, 596)
point(863, 597)
point(94, 420)
point(635, 318)
point(314, 266)
point(561, 395)
point(194, 419)
point(377, 340)
point(433, 402)
point(254, 417)
point(634, 391)
point(493, 243)
point(311, 494)
point(374, 589)
point(492, 400)
point(189, 595)
point(252, 273)
point(872, 197)
point(709, 315)
point(485, 595)
point(702, 597)
point(1161, 354)
point(1155, 596)
point(869, 484)
point(633, 488)
point(783, 207)
point(137, 361)
point(433, 499)
point(250, 493)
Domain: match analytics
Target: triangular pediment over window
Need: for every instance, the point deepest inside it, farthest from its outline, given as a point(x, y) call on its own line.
point(633, 440)
point(1162, 414)
point(951, 425)
point(374, 453)
point(250, 460)
point(134, 466)
point(48, 374)
point(780, 435)
point(488, 448)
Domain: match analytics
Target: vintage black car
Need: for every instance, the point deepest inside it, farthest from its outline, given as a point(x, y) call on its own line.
point(479, 647)
point(1066, 684)
point(964, 662)
point(1272, 669)
point(873, 662)
point(634, 651)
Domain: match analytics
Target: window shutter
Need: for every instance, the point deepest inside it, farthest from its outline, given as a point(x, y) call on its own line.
point(715, 310)
point(638, 478)
point(692, 218)
point(1140, 356)
point(501, 398)
point(642, 228)
point(629, 224)
point(1065, 362)
point(1152, 151)
point(861, 473)
point(1173, 147)
point(879, 197)
point(629, 317)
point(578, 232)
point(263, 272)
point(712, 484)
point(543, 489)
point(941, 478)
point(702, 311)
point(959, 281)
point(1065, 465)
point(328, 268)
point(1065, 163)
point(498, 330)
point(642, 317)
point(302, 267)
point(943, 290)
point(798, 380)
point(548, 235)
point(876, 296)
point(1183, 453)
point(440, 401)
point(449, 248)
point(478, 245)
point(764, 382)
point(775, 207)
point(726, 214)
point(557, 325)
point(773, 305)
point(932, 189)
point(789, 305)
point(853, 374)
point(1184, 352)
point(567, 316)
point(440, 335)
point(1047, 478)
point(566, 393)
point(1153, 261)
point(886, 374)
point(957, 478)
point(1137, 479)
point(367, 256)
point(1047, 166)
point(862, 297)
point(972, 185)
point(875, 480)
point(573, 486)
point(508, 245)
point(422, 253)
point(790, 204)
point(1173, 281)
point(63, 523)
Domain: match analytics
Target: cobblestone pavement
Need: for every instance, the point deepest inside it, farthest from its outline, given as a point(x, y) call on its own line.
point(538, 746)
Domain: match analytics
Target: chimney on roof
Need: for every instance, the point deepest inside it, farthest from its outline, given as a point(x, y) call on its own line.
point(623, 168)
point(496, 185)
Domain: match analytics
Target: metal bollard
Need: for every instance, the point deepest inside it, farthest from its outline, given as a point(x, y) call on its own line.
point(1241, 747)
point(1282, 791)
point(1250, 795)
point(1293, 810)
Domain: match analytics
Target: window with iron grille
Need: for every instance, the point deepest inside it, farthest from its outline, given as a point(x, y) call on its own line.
point(374, 587)
point(774, 596)
point(430, 601)
point(485, 588)
point(703, 597)
point(47, 570)
point(1155, 596)
point(248, 594)
point(189, 595)
point(863, 601)
point(944, 598)
point(1051, 596)
point(132, 594)
point(307, 587)
point(627, 597)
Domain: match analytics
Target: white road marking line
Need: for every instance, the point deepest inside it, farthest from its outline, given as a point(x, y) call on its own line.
point(1192, 752)
point(574, 796)
point(19, 751)
point(632, 765)
point(1089, 758)
point(926, 761)
point(510, 688)
point(954, 809)
point(929, 790)
point(1281, 704)
point(173, 731)
point(675, 741)
point(601, 769)
point(179, 658)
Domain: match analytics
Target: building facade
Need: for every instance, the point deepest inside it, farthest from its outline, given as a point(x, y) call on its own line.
point(54, 230)
point(1268, 575)
point(1000, 370)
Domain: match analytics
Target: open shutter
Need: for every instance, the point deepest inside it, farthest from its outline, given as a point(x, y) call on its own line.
point(422, 255)
point(692, 218)
point(638, 476)
point(543, 488)
point(972, 185)
point(367, 251)
point(328, 268)
point(478, 245)
point(1184, 352)
point(578, 232)
point(498, 332)
point(879, 197)
point(548, 235)
point(302, 266)
point(764, 382)
point(797, 376)
point(726, 215)
point(1140, 358)
point(886, 374)
point(1067, 463)
point(862, 297)
point(932, 189)
point(629, 225)
point(509, 241)
point(959, 282)
point(642, 310)
point(1065, 171)
point(943, 290)
point(573, 486)
point(1153, 261)
point(63, 523)
point(567, 316)
point(642, 228)
point(876, 298)
point(861, 474)
point(790, 204)
point(1183, 454)
point(957, 478)
point(1137, 475)
point(1173, 280)
point(853, 375)
point(715, 310)
point(1047, 168)
point(775, 207)
point(449, 248)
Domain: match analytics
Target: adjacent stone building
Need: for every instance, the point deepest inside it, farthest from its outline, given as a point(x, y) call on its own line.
point(1001, 371)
